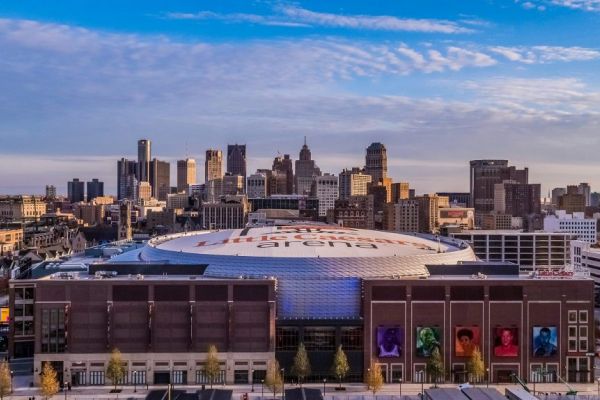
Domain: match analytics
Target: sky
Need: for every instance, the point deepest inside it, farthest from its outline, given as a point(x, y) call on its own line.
point(438, 82)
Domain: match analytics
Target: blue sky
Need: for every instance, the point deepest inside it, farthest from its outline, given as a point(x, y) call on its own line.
point(439, 82)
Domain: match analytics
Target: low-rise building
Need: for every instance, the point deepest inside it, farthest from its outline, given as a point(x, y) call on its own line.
point(11, 239)
point(575, 223)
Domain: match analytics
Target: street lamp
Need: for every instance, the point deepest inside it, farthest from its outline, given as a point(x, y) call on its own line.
point(134, 381)
point(598, 387)
point(487, 382)
point(262, 388)
point(252, 378)
point(65, 389)
point(12, 373)
point(400, 382)
point(282, 383)
point(324, 382)
point(368, 378)
point(422, 379)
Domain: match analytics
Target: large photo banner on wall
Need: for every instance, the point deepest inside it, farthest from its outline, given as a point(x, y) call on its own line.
point(466, 340)
point(506, 342)
point(389, 341)
point(545, 341)
point(428, 339)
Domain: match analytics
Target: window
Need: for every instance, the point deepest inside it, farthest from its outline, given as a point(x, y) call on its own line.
point(583, 316)
point(203, 379)
point(319, 338)
point(583, 332)
point(138, 377)
point(53, 330)
point(572, 331)
point(96, 377)
point(287, 338)
point(179, 377)
point(240, 376)
point(583, 345)
point(352, 338)
point(572, 316)
point(572, 345)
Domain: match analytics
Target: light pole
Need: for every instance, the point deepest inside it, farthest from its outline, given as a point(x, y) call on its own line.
point(134, 381)
point(324, 382)
point(369, 378)
point(282, 383)
point(12, 373)
point(65, 389)
point(487, 381)
point(400, 382)
point(252, 378)
point(422, 378)
point(262, 388)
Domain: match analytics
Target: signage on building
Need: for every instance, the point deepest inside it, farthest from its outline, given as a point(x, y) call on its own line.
point(4, 315)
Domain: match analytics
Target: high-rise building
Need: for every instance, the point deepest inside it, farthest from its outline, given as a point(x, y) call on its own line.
point(484, 174)
point(402, 216)
point(186, 174)
point(231, 212)
point(354, 182)
point(457, 199)
point(95, 188)
point(256, 186)
point(595, 199)
point(50, 192)
point(233, 185)
point(160, 179)
point(144, 157)
point(376, 162)
point(428, 212)
point(144, 191)
point(236, 159)
point(572, 201)
point(76, 191)
point(283, 165)
point(556, 193)
point(306, 171)
point(400, 191)
point(125, 221)
point(327, 191)
point(517, 199)
point(213, 165)
point(127, 173)
point(584, 189)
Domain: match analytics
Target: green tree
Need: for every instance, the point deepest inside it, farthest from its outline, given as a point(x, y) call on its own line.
point(340, 367)
point(476, 366)
point(435, 366)
point(374, 379)
point(49, 381)
point(115, 371)
point(273, 379)
point(301, 367)
point(5, 380)
point(212, 367)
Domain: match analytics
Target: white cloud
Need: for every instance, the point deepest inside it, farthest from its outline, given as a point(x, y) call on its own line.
point(586, 5)
point(546, 54)
point(292, 16)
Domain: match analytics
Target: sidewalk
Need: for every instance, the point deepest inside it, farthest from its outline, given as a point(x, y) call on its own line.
point(354, 391)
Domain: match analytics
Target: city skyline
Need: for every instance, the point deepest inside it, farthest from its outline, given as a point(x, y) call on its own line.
point(439, 84)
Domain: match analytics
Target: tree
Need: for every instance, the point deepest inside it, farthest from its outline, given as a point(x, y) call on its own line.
point(5, 380)
point(435, 366)
point(273, 379)
point(340, 367)
point(212, 368)
point(49, 381)
point(115, 371)
point(301, 367)
point(475, 366)
point(374, 378)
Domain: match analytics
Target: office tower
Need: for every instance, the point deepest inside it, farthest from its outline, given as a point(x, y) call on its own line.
point(572, 201)
point(402, 216)
point(144, 157)
point(50, 192)
point(229, 213)
point(428, 212)
point(144, 191)
point(186, 174)
point(376, 162)
point(236, 159)
point(354, 182)
point(232, 185)
point(95, 188)
point(517, 199)
point(556, 193)
point(400, 191)
point(160, 179)
point(76, 191)
point(213, 165)
point(457, 199)
point(595, 199)
point(256, 186)
point(327, 191)
point(127, 172)
point(306, 171)
point(125, 221)
point(484, 174)
point(584, 189)
point(283, 165)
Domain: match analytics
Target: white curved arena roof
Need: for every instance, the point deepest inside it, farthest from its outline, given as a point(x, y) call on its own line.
point(318, 267)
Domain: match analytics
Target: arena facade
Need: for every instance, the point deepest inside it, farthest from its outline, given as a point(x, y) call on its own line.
point(258, 293)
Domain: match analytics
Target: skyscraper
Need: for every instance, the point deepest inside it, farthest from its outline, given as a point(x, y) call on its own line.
point(236, 159)
point(376, 162)
point(144, 157)
point(283, 165)
point(584, 189)
point(186, 174)
point(95, 188)
point(306, 171)
point(354, 182)
point(50, 192)
point(75, 191)
point(160, 179)
point(213, 165)
point(127, 172)
point(327, 191)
